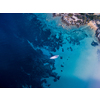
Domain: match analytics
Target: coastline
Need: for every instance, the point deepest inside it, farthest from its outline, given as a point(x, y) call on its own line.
point(78, 20)
point(92, 24)
point(76, 49)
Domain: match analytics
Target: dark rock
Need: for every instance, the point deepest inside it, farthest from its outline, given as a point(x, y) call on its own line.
point(86, 35)
point(98, 34)
point(62, 50)
point(45, 81)
point(55, 80)
point(58, 77)
point(78, 43)
point(54, 74)
point(49, 85)
point(61, 57)
point(71, 49)
point(61, 70)
point(62, 66)
point(54, 15)
point(94, 44)
point(57, 47)
point(54, 50)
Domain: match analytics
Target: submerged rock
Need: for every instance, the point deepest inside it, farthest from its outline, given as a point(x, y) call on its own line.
point(55, 80)
point(49, 85)
point(94, 43)
point(61, 70)
point(58, 77)
point(62, 66)
point(61, 57)
point(62, 50)
point(98, 34)
point(71, 49)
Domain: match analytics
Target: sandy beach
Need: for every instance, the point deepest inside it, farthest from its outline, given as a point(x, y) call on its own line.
point(93, 25)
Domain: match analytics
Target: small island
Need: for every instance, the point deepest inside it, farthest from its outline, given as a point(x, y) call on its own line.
point(78, 19)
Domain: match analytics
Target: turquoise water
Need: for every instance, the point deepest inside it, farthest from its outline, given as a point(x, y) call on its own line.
point(27, 41)
point(80, 59)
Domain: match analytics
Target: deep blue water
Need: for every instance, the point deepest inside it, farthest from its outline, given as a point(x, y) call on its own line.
point(26, 43)
point(15, 52)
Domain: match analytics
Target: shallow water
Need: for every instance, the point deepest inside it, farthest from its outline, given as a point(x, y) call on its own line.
point(81, 65)
point(28, 41)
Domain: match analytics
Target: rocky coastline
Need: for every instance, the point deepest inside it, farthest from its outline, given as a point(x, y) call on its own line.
point(79, 19)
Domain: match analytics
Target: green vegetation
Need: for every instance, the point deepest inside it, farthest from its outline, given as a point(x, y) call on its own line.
point(79, 21)
point(91, 17)
point(70, 14)
point(82, 13)
point(83, 18)
point(97, 17)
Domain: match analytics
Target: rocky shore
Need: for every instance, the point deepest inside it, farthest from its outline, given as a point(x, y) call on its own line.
point(78, 19)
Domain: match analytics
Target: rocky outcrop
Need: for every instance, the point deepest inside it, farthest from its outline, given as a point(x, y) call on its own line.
point(94, 43)
point(98, 34)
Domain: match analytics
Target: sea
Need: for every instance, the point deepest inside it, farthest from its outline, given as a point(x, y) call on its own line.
point(28, 40)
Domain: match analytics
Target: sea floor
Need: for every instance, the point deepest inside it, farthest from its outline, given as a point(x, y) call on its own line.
point(27, 41)
point(78, 65)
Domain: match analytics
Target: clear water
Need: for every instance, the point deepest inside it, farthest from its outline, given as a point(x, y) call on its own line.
point(81, 66)
point(27, 41)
